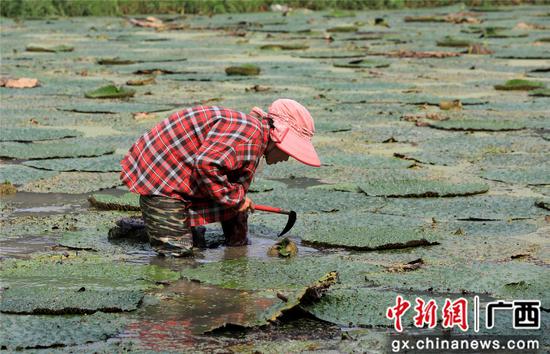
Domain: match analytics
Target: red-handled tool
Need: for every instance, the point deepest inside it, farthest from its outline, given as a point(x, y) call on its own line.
point(291, 215)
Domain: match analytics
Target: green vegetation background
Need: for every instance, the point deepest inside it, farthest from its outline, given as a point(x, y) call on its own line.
point(40, 8)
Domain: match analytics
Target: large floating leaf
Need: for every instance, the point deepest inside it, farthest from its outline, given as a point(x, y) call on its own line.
point(496, 279)
point(488, 228)
point(356, 307)
point(62, 148)
point(293, 273)
point(343, 28)
point(106, 163)
point(365, 231)
point(110, 91)
point(20, 332)
point(540, 93)
point(403, 187)
point(367, 161)
point(519, 159)
point(127, 201)
point(112, 108)
point(35, 134)
point(532, 175)
point(115, 61)
point(361, 63)
point(332, 127)
point(474, 207)
point(327, 54)
point(82, 270)
point(477, 125)
point(18, 174)
point(243, 70)
point(519, 84)
point(374, 237)
point(47, 300)
point(451, 150)
point(454, 42)
point(54, 49)
point(287, 46)
point(311, 200)
point(74, 183)
point(264, 185)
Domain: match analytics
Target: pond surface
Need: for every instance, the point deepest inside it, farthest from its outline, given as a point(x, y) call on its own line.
point(434, 180)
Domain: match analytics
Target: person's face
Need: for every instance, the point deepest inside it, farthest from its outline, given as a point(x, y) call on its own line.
point(274, 155)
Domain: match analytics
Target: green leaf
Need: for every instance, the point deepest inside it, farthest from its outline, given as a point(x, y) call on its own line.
point(70, 300)
point(110, 91)
point(105, 163)
point(19, 174)
point(21, 332)
point(60, 148)
point(127, 201)
point(35, 134)
point(243, 70)
point(54, 49)
point(450, 41)
point(520, 84)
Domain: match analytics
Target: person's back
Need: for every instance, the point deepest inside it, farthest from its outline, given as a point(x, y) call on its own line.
point(168, 159)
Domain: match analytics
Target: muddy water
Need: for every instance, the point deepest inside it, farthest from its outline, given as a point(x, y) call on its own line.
point(24, 203)
point(24, 247)
point(186, 310)
point(173, 317)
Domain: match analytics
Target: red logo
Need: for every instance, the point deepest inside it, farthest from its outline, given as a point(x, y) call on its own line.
point(395, 313)
point(426, 313)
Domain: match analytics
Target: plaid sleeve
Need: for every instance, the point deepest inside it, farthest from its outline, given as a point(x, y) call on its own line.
point(215, 160)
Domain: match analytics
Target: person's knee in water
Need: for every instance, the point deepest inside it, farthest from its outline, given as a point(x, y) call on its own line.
point(195, 167)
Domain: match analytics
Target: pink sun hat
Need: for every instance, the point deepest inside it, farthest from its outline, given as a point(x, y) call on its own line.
point(293, 130)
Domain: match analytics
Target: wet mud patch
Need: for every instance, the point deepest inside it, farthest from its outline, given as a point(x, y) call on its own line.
point(24, 247)
point(211, 309)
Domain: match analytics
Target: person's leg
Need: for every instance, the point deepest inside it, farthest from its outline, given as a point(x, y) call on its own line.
point(166, 224)
point(236, 230)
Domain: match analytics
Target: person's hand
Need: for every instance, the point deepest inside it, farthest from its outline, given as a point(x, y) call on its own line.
point(246, 205)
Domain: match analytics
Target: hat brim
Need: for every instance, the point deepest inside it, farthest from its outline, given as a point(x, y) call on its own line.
point(299, 148)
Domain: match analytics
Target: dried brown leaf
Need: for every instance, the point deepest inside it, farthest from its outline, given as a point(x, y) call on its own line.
point(529, 26)
point(23, 82)
point(450, 105)
point(144, 116)
point(420, 54)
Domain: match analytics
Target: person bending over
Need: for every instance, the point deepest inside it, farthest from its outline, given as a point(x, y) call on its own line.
point(195, 167)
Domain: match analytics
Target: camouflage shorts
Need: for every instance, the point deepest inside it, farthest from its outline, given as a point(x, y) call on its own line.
point(166, 224)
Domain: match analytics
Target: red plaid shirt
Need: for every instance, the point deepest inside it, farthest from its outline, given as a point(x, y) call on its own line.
point(204, 155)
